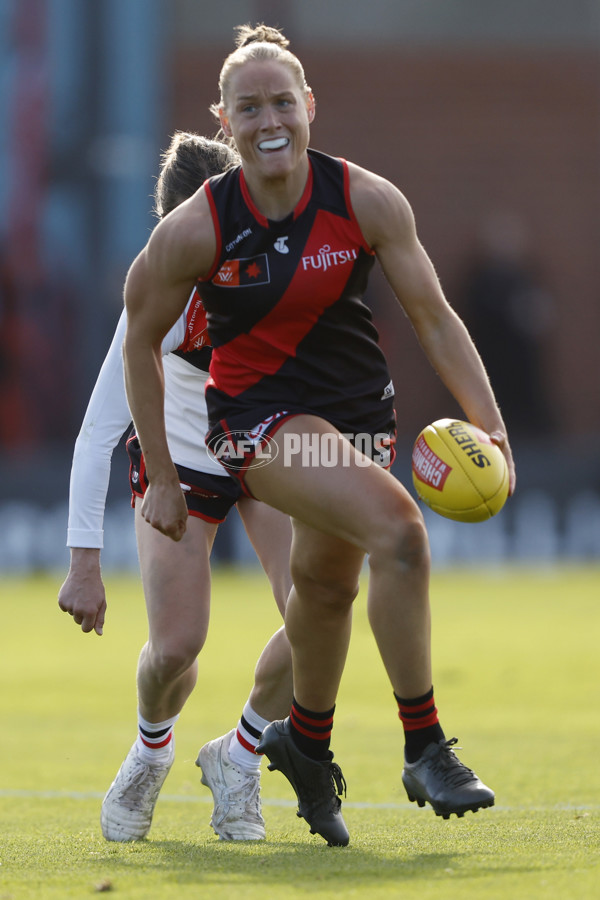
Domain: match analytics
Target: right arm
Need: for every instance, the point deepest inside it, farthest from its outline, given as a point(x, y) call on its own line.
point(158, 286)
point(388, 225)
point(107, 416)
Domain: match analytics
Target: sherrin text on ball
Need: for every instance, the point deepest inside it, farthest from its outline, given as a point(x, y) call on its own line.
point(459, 472)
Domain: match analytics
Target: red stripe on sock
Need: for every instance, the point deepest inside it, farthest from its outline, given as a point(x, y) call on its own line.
point(156, 746)
point(423, 722)
point(310, 734)
point(246, 744)
point(421, 707)
point(316, 723)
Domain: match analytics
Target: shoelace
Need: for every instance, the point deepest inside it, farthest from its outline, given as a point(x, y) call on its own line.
point(141, 783)
point(449, 765)
point(338, 779)
point(247, 791)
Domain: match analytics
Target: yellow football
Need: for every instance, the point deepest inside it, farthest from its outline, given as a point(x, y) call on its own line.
point(458, 472)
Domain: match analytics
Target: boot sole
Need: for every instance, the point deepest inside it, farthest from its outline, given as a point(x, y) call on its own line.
point(445, 813)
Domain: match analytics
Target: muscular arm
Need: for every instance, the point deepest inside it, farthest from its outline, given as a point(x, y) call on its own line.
point(157, 288)
point(387, 222)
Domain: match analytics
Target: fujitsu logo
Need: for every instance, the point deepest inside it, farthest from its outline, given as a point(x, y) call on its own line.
point(326, 258)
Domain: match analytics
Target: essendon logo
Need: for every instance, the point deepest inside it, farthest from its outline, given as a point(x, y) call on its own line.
point(428, 467)
point(243, 272)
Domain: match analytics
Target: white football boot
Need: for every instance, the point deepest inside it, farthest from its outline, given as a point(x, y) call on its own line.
point(128, 806)
point(237, 814)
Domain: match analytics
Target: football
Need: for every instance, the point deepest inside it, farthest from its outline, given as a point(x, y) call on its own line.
point(458, 472)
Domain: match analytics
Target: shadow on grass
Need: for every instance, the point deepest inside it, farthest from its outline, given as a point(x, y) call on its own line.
point(284, 862)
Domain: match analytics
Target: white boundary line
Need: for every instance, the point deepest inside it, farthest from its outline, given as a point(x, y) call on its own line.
point(348, 804)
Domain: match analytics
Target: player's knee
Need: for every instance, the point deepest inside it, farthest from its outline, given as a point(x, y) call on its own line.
point(403, 540)
point(170, 661)
point(332, 587)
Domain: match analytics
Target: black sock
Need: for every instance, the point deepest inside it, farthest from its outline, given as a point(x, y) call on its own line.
point(421, 726)
point(311, 731)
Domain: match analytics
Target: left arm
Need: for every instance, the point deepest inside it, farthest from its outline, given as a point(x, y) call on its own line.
point(388, 225)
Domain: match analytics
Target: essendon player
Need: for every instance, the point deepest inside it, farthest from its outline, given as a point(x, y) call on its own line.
point(281, 247)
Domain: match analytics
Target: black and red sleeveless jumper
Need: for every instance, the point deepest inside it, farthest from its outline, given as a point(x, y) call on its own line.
point(284, 302)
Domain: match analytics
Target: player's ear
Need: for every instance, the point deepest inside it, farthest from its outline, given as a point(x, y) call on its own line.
point(225, 126)
point(311, 107)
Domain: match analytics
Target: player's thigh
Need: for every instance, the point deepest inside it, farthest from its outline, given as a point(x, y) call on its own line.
point(176, 577)
point(354, 499)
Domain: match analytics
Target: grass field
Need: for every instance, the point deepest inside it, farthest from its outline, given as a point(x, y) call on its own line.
point(517, 677)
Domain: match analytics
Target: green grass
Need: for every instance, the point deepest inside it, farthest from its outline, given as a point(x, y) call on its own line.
point(517, 674)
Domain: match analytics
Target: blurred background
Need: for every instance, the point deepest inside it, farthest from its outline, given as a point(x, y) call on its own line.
point(486, 115)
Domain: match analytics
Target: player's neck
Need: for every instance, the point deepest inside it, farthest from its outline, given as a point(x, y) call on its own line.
point(276, 197)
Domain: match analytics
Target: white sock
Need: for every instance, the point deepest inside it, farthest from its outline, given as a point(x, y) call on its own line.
point(247, 735)
point(155, 740)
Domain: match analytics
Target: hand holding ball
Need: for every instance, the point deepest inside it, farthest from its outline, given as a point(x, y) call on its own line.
point(458, 472)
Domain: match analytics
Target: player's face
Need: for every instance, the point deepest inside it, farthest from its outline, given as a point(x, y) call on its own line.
point(269, 117)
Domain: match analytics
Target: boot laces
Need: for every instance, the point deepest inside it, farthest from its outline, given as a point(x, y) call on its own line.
point(246, 793)
point(141, 784)
point(339, 782)
point(449, 765)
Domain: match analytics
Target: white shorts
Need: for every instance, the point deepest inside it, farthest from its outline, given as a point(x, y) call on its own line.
point(185, 415)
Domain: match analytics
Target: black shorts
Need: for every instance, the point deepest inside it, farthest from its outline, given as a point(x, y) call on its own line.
point(208, 496)
point(237, 447)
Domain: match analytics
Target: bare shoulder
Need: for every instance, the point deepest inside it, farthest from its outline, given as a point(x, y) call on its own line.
point(181, 249)
point(183, 244)
point(380, 207)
